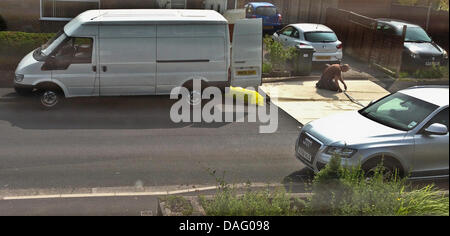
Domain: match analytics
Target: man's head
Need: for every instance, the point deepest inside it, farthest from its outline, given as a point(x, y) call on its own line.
point(345, 68)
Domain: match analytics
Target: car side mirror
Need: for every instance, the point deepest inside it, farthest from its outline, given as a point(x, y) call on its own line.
point(436, 129)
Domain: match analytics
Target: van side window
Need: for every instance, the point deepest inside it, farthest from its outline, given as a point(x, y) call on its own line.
point(83, 51)
point(76, 51)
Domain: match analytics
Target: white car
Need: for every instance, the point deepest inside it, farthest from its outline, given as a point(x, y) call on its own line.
point(323, 39)
point(408, 130)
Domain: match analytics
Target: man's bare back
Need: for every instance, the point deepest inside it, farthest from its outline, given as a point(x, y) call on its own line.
point(331, 77)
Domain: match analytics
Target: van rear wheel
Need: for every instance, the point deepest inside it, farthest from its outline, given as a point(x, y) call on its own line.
point(50, 99)
point(195, 97)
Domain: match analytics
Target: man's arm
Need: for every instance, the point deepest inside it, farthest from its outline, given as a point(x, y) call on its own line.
point(342, 80)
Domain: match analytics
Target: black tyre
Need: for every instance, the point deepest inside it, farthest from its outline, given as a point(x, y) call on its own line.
point(195, 97)
point(389, 168)
point(50, 98)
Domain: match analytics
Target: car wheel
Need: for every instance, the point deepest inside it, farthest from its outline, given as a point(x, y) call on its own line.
point(50, 99)
point(389, 168)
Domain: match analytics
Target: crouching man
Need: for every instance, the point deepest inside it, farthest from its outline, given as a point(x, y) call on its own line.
point(331, 77)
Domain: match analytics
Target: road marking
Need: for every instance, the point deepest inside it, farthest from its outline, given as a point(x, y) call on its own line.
point(132, 194)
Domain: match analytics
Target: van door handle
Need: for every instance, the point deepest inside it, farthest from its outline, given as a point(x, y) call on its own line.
point(94, 68)
point(104, 68)
point(240, 62)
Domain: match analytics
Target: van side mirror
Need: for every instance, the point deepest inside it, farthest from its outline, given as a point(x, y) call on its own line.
point(436, 129)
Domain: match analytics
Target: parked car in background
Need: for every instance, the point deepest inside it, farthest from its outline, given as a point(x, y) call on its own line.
point(272, 19)
point(323, 39)
point(420, 50)
point(407, 129)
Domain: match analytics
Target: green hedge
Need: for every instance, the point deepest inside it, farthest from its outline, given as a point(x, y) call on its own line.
point(15, 45)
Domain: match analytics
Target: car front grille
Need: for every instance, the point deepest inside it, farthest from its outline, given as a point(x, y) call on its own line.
point(431, 57)
point(307, 147)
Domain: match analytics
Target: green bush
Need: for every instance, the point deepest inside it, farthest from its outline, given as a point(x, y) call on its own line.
point(15, 45)
point(253, 203)
point(267, 67)
point(428, 73)
point(340, 191)
point(336, 191)
point(278, 56)
point(228, 202)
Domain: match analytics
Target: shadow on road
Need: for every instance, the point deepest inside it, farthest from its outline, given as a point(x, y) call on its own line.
point(298, 181)
point(145, 112)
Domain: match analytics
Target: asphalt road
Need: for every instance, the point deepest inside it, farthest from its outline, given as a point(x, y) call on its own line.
point(112, 142)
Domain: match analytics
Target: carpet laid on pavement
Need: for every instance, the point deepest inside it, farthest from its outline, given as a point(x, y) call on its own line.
point(303, 101)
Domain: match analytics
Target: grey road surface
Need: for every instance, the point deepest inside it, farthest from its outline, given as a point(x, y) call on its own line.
point(111, 142)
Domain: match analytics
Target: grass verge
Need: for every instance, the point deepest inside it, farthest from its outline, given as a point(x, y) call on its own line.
point(336, 191)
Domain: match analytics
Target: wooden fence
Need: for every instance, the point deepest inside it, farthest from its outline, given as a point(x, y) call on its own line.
point(362, 40)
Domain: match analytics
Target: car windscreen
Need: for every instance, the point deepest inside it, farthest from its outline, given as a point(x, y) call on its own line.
point(266, 11)
point(320, 37)
point(416, 34)
point(399, 111)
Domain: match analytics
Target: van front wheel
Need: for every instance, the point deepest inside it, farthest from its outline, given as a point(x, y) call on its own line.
point(50, 99)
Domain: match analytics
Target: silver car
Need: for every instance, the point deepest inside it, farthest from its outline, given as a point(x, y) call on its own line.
point(323, 39)
point(407, 129)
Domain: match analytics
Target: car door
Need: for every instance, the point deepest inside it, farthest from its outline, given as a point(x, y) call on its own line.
point(284, 37)
point(294, 39)
point(246, 59)
point(127, 62)
point(431, 151)
point(74, 65)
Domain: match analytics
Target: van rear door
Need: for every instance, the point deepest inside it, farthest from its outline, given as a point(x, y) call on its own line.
point(246, 60)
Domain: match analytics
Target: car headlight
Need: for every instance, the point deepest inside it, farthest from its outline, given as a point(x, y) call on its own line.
point(342, 152)
point(445, 54)
point(18, 78)
point(414, 55)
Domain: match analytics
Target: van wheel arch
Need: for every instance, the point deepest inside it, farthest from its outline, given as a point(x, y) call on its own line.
point(49, 86)
point(190, 83)
point(388, 161)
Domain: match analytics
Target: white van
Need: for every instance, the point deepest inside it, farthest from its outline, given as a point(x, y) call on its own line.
point(142, 52)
